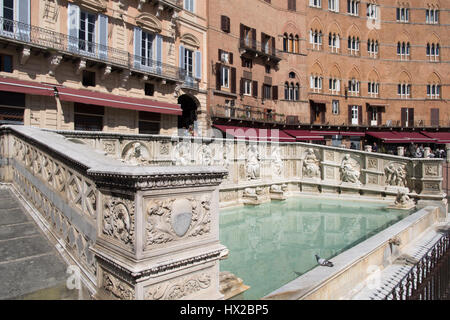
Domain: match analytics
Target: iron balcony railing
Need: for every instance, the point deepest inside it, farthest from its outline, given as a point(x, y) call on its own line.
point(429, 279)
point(248, 114)
point(262, 47)
point(51, 40)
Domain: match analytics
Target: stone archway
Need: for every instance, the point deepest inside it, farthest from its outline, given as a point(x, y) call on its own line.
point(190, 106)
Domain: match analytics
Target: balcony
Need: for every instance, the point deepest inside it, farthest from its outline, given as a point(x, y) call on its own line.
point(51, 41)
point(254, 49)
point(250, 114)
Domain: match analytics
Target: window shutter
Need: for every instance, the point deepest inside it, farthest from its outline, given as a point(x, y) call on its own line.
point(220, 55)
point(360, 116)
point(403, 116)
point(159, 48)
point(233, 80)
point(230, 57)
point(275, 92)
point(349, 114)
point(24, 17)
point(137, 47)
point(311, 39)
point(241, 86)
point(379, 117)
point(410, 117)
point(73, 26)
point(103, 36)
point(434, 117)
point(338, 85)
point(242, 31)
point(198, 64)
point(254, 38)
point(218, 75)
point(181, 57)
point(255, 89)
point(225, 23)
point(311, 82)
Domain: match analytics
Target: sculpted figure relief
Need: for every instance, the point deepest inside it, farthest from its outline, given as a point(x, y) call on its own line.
point(135, 153)
point(349, 171)
point(396, 175)
point(277, 163)
point(311, 168)
point(253, 167)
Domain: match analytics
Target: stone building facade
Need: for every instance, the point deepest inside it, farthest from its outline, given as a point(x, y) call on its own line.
point(119, 66)
point(336, 65)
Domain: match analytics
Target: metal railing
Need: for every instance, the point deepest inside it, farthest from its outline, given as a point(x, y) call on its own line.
point(429, 278)
point(265, 48)
point(47, 39)
point(248, 114)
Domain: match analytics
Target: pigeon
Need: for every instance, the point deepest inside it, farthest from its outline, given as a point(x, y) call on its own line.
point(323, 262)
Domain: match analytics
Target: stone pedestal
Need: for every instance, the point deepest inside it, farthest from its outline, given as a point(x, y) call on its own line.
point(447, 149)
point(401, 151)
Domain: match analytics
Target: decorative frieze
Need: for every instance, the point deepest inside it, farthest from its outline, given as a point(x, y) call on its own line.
point(173, 219)
point(119, 219)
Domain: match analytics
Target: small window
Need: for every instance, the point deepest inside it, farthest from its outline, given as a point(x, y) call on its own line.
point(189, 5)
point(267, 69)
point(88, 117)
point(149, 89)
point(149, 122)
point(225, 24)
point(247, 87)
point(246, 63)
point(88, 78)
point(335, 107)
point(6, 63)
point(267, 91)
point(291, 75)
point(225, 77)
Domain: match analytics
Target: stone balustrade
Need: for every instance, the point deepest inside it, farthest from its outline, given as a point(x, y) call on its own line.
point(136, 232)
point(260, 171)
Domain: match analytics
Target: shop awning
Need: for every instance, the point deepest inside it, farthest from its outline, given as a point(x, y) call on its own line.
point(116, 101)
point(388, 137)
point(401, 137)
point(439, 137)
point(28, 87)
point(415, 137)
point(255, 133)
point(337, 133)
point(304, 135)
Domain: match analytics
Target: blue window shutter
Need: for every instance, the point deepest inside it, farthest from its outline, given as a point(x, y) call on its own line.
point(137, 47)
point(159, 45)
point(198, 64)
point(24, 20)
point(73, 24)
point(103, 36)
point(181, 57)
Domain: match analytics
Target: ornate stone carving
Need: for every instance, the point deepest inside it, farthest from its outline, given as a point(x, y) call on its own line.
point(149, 22)
point(106, 72)
point(178, 288)
point(80, 66)
point(118, 219)
point(253, 165)
point(372, 163)
point(396, 175)
point(25, 55)
point(277, 162)
point(53, 62)
point(135, 153)
point(205, 156)
point(172, 219)
point(311, 165)
point(402, 201)
point(431, 171)
point(349, 170)
point(109, 146)
point(329, 155)
point(117, 288)
point(182, 153)
point(164, 148)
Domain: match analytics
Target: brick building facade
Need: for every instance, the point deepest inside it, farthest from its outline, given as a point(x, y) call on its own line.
point(336, 65)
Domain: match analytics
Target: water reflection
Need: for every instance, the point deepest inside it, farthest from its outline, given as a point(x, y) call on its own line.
point(270, 242)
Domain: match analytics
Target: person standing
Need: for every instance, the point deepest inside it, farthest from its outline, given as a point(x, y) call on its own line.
point(374, 147)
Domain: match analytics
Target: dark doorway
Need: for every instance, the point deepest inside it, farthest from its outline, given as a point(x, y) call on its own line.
point(189, 106)
point(318, 111)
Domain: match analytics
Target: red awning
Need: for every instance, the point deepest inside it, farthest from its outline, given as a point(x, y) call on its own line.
point(415, 137)
point(29, 87)
point(337, 133)
point(439, 137)
point(256, 133)
point(304, 135)
point(116, 101)
point(388, 137)
point(401, 137)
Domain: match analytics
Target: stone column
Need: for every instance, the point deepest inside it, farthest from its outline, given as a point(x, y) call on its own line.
point(401, 151)
point(447, 149)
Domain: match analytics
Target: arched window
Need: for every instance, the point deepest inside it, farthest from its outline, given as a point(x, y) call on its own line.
point(297, 92)
point(433, 51)
point(403, 50)
point(285, 42)
point(286, 91)
point(291, 43)
point(291, 75)
point(296, 44)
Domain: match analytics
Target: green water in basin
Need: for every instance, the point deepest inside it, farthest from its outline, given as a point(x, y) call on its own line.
point(271, 242)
